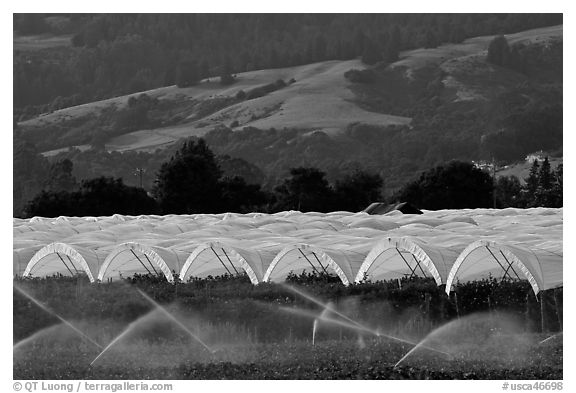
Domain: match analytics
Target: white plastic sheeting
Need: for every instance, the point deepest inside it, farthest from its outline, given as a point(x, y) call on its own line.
point(131, 257)
point(482, 259)
point(305, 257)
point(60, 258)
point(449, 245)
point(231, 260)
point(401, 257)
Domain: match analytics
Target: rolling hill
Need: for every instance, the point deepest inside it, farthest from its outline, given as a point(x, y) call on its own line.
point(319, 99)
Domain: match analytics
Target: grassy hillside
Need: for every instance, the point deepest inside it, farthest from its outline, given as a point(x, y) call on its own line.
point(319, 99)
point(117, 54)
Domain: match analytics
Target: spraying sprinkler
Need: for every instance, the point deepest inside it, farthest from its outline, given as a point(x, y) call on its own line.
point(357, 328)
point(49, 311)
point(158, 308)
point(352, 323)
point(329, 307)
point(173, 318)
point(550, 338)
point(321, 304)
point(314, 327)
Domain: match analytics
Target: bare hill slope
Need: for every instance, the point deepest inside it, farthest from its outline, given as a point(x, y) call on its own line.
point(319, 99)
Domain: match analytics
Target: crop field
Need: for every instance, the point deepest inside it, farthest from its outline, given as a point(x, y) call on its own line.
point(67, 328)
point(334, 359)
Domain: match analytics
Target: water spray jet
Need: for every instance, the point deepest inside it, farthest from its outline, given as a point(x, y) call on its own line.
point(320, 303)
point(550, 338)
point(322, 315)
point(131, 326)
point(314, 327)
point(354, 324)
point(31, 338)
point(126, 331)
point(49, 311)
point(360, 328)
point(409, 352)
point(495, 325)
point(175, 320)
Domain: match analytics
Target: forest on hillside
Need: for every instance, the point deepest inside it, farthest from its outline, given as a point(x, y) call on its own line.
point(117, 54)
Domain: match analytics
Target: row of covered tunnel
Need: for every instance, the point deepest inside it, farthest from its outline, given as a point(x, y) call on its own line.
point(449, 246)
point(386, 259)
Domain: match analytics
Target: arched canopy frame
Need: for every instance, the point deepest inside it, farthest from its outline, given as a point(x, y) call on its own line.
point(228, 263)
point(150, 262)
point(511, 260)
point(419, 255)
point(71, 260)
point(321, 257)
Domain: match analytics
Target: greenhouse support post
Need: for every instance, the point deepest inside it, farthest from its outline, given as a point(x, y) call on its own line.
point(558, 309)
point(542, 312)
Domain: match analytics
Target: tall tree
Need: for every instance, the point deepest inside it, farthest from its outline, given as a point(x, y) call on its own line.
point(557, 187)
point(457, 185)
point(240, 197)
point(52, 204)
point(60, 176)
point(544, 195)
point(305, 190)
point(545, 175)
point(103, 196)
point(532, 179)
point(508, 191)
point(189, 182)
point(498, 50)
point(357, 190)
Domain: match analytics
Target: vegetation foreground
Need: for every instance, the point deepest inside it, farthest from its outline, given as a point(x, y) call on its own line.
point(289, 360)
point(225, 328)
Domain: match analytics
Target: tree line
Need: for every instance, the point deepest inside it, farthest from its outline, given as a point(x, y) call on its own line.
point(192, 181)
point(542, 187)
